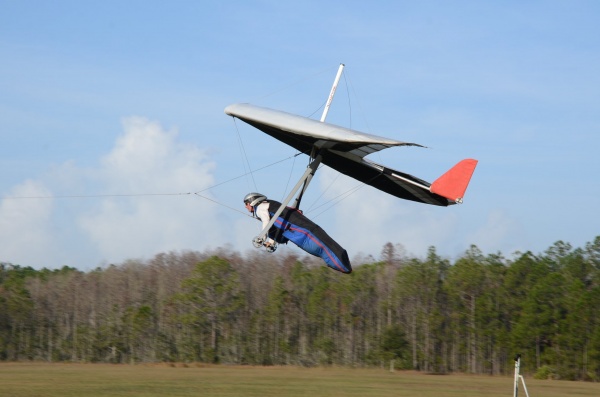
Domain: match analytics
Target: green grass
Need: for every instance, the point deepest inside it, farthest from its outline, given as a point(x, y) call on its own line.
point(99, 380)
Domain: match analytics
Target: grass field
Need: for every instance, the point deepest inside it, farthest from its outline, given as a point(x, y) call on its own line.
point(99, 380)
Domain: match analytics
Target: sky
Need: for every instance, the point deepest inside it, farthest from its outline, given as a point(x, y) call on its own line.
point(114, 144)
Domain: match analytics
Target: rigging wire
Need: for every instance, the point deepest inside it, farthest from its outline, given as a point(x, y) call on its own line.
point(224, 205)
point(294, 83)
point(362, 115)
point(243, 152)
point(349, 104)
point(243, 175)
point(94, 196)
point(323, 193)
point(316, 110)
point(289, 178)
point(350, 87)
point(346, 194)
point(338, 199)
point(149, 194)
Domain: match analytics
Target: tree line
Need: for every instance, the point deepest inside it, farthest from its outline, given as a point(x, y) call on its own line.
point(471, 315)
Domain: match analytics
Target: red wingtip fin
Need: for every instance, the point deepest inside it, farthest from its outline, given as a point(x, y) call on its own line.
point(453, 183)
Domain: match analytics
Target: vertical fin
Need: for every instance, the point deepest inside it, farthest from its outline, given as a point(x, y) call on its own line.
point(453, 183)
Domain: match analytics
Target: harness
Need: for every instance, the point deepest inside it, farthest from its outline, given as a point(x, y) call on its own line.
point(254, 208)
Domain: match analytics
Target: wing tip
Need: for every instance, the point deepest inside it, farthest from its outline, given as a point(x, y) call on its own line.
point(453, 184)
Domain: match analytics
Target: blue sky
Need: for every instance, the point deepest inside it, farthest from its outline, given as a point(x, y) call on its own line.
point(126, 98)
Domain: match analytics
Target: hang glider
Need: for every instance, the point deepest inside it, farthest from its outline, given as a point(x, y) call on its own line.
point(345, 150)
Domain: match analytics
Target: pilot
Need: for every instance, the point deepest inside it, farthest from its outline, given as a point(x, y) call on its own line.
point(258, 205)
point(295, 227)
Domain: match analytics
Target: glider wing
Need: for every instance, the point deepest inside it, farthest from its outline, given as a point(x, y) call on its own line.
point(302, 133)
point(345, 150)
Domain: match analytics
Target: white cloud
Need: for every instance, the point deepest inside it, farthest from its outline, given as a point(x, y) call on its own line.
point(148, 160)
point(25, 225)
point(140, 202)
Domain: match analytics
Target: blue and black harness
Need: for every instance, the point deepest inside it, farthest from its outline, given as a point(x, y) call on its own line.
point(293, 226)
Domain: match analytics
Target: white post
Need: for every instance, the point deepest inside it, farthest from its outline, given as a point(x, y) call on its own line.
point(524, 385)
point(332, 93)
point(517, 369)
point(519, 377)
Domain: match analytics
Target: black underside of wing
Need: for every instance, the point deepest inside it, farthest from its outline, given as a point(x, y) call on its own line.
point(303, 144)
point(384, 180)
point(381, 179)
